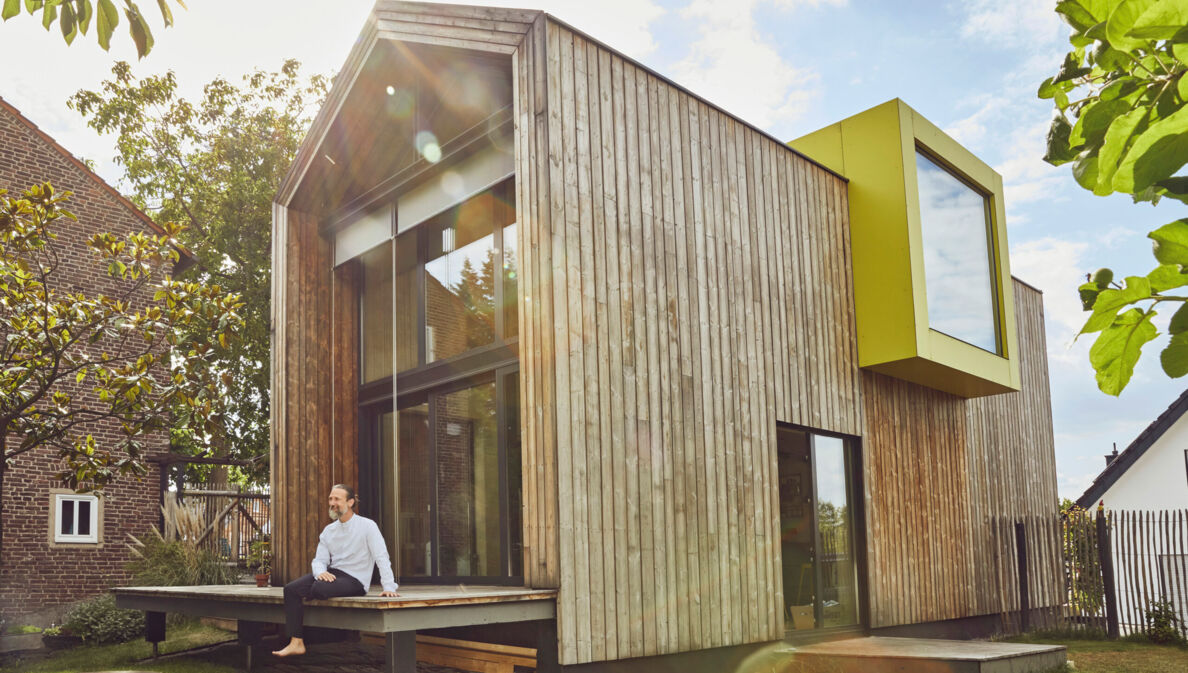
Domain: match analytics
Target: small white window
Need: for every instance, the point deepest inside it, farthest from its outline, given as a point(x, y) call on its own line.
point(77, 518)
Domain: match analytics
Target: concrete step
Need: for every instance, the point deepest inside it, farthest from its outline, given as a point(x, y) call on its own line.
point(924, 655)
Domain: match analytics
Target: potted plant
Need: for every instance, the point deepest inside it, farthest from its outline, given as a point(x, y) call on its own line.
point(260, 558)
point(59, 638)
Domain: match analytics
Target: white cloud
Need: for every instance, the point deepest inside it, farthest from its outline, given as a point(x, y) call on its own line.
point(622, 24)
point(1012, 23)
point(1055, 266)
point(734, 62)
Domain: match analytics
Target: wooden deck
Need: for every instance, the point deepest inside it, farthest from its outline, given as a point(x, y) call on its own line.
point(417, 607)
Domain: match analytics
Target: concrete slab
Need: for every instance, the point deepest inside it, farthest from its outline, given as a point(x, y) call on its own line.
point(924, 655)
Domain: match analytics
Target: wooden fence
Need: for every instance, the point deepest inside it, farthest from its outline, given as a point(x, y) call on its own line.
point(1123, 566)
point(233, 517)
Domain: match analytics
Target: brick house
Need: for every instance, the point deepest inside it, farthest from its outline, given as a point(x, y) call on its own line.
point(60, 547)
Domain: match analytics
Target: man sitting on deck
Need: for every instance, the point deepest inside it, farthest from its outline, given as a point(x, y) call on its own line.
point(348, 549)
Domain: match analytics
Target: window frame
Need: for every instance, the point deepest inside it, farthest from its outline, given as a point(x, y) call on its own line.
point(57, 500)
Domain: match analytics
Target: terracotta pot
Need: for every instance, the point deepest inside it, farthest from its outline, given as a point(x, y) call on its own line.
point(262, 580)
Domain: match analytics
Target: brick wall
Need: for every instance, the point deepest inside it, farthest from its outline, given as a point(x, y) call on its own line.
point(40, 578)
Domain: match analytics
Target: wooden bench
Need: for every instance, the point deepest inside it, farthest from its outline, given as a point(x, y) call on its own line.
point(469, 655)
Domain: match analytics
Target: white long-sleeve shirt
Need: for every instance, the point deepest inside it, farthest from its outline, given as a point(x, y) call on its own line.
point(354, 547)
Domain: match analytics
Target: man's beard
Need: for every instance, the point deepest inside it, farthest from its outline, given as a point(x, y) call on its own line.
point(335, 513)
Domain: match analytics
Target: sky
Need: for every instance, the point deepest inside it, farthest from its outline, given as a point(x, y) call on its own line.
point(787, 66)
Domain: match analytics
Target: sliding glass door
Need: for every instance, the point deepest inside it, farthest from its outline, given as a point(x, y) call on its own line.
point(450, 484)
point(820, 523)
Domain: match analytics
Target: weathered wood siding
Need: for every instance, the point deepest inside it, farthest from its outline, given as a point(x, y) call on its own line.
point(686, 287)
point(946, 479)
point(314, 445)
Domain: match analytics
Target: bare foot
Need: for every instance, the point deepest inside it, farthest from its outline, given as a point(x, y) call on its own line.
point(295, 646)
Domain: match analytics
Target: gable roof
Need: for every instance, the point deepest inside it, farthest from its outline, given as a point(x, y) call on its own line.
point(1137, 448)
point(102, 184)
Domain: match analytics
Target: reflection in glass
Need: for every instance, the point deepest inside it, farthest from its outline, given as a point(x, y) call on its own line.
point(461, 272)
point(415, 493)
point(375, 309)
point(511, 325)
point(405, 288)
point(511, 402)
point(958, 265)
point(67, 522)
point(796, 528)
point(466, 435)
point(835, 532)
point(84, 517)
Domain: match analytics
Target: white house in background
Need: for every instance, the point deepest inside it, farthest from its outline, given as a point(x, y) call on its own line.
point(1152, 473)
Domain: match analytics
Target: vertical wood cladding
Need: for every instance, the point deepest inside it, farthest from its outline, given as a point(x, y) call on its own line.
point(685, 286)
point(314, 424)
point(946, 479)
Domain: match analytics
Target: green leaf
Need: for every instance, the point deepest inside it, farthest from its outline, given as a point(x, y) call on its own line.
point(1070, 69)
point(1179, 320)
point(1109, 302)
point(67, 24)
point(166, 13)
point(1171, 242)
point(33, 5)
point(85, 11)
point(1157, 153)
point(139, 28)
point(1059, 151)
point(1088, 293)
point(1075, 15)
point(11, 9)
point(1085, 170)
point(1118, 348)
point(1122, 20)
point(48, 15)
point(1162, 21)
point(1174, 358)
point(1166, 277)
point(1047, 89)
point(106, 20)
point(1117, 139)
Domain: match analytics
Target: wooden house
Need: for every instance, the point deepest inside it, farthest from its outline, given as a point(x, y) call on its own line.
point(569, 326)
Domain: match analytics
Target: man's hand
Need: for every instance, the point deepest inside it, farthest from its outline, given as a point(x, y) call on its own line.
point(326, 577)
point(389, 594)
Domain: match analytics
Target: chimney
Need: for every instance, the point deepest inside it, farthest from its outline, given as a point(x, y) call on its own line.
point(1111, 456)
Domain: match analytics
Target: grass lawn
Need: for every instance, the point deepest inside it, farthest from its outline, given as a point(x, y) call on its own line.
point(127, 655)
point(1119, 656)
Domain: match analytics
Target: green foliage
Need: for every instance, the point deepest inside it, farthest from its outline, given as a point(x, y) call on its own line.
point(132, 352)
point(74, 17)
point(23, 629)
point(175, 562)
point(1082, 567)
point(215, 165)
point(260, 556)
point(99, 621)
point(1121, 120)
point(1162, 624)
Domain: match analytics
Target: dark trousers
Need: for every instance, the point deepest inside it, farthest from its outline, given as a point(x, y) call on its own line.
point(307, 586)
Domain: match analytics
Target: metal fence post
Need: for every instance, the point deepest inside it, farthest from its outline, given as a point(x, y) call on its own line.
point(1106, 560)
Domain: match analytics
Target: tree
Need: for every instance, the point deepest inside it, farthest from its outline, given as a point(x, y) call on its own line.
point(74, 17)
point(215, 166)
point(138, 353)
point(1122, 122)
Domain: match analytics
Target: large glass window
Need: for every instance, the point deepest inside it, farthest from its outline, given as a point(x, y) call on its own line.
point(958, 259)
point(818, 523)
point(375, 314)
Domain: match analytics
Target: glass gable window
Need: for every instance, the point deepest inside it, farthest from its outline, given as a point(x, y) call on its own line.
point(958, 258)
point(375, 313)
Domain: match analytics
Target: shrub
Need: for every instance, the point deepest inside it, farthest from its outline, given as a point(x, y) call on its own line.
point(99, 621)
point(1162, 623)
point(177, 562)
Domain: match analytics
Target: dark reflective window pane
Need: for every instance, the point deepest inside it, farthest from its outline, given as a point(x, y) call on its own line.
point(84, 517)
point(796, 528)
point(511, 397)
point(375, 313)
point(511, 325)
point(416, 495)
point(958, 264)
point(66, 520)
point(406, 301)
point(466, 435)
